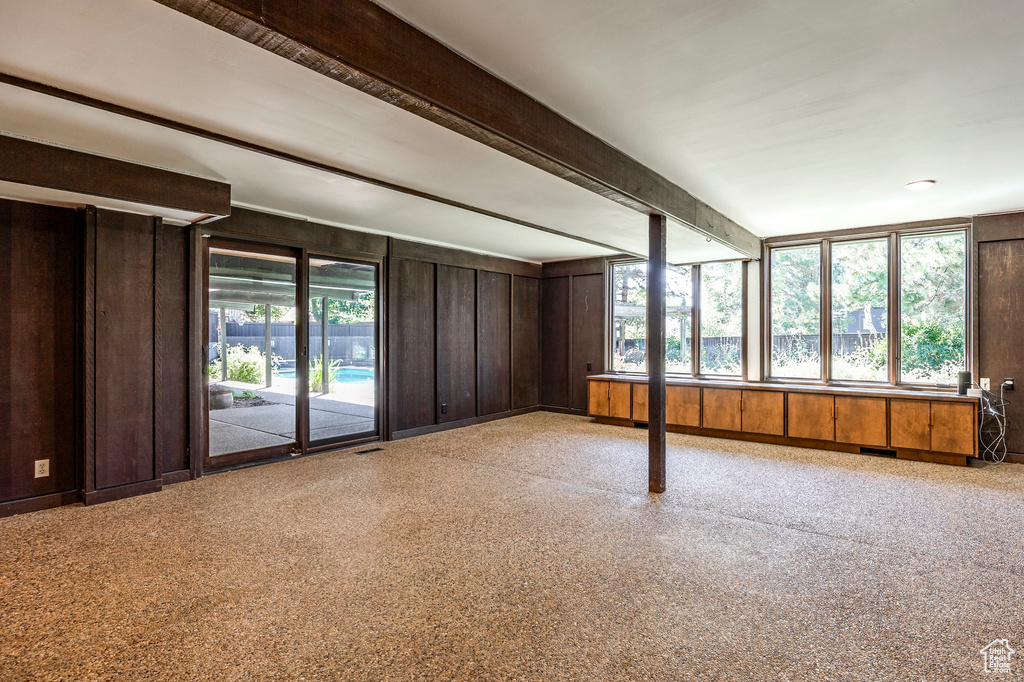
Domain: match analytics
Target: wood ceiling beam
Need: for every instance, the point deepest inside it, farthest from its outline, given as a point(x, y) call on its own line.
point(361, 44)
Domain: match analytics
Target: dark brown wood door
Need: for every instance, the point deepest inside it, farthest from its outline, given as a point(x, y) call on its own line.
point(682, 405)
point(526, 348)
point(763, 412)
point(861, 420)
point(555, 311)
point(810, 416)
point(37, 349)
point(494, 342)
point(722, 409)
point(456, 343)
point(910, 424)
point(953, 427)
point(588, 334)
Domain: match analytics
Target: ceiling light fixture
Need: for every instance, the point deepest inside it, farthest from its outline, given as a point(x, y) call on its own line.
point(920, 185)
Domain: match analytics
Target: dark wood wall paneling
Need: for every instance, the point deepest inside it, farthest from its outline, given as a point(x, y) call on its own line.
point(475, 319)
point(38, 360)
point(456, 343)
point(494, 342)
point(1000, 308)
point(573, 330)
point(172, 338)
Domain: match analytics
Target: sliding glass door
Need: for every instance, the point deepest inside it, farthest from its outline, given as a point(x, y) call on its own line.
point(267, 396)
point(342, 350)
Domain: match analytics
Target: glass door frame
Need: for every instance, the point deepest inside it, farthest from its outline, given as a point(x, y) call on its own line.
point(210, 239)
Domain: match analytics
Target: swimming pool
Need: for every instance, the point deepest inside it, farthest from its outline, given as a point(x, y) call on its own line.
point(341, 375)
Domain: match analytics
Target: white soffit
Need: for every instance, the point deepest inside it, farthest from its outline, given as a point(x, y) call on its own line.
point(140, 54)
point(786, 115)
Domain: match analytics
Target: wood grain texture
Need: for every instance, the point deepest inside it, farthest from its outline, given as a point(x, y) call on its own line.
point(124, 370)
point(265, 227)
point(860, 420)
point(619, 400)
point(526, 344)
point(909, 424)
point(442, 255)
point(1000, 308)
point(37, 349)
point(556, 312)
point(640, 393)
point(954, 428)
point(722, 409)
point(811, 416)
point(172, 272)
point(412, 340)
point(682, 405)
point(493, 342)
point(456, 342)
point(597, 398)
point(588, 334)
point(360, 44)
point(764, 412)
point(33, 163)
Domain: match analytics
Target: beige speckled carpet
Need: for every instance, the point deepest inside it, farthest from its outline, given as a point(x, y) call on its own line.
point(527, 549)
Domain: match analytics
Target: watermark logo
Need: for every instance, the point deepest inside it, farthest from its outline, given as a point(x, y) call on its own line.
point(997, 657)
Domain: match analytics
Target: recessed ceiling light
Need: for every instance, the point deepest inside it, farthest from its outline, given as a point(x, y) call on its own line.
point(920, 185)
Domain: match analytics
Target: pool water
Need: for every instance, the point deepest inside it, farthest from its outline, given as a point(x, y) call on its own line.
point(342, 375)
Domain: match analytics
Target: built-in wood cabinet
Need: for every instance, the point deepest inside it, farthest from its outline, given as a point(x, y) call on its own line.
point(861, 420)
point(811, 415)
point(763, 412)
point(912, 425)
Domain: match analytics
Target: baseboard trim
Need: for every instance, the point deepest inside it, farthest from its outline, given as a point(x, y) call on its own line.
point(32, 504)
point(122, 491)
point(173, 477)
point(458, 424)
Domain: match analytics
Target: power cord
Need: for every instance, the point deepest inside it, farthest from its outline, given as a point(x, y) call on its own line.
point(992, 425)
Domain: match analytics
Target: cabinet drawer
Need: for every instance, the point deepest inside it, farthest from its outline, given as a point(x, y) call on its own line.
point(812, 416)
point(722, 409)
point(763, 412)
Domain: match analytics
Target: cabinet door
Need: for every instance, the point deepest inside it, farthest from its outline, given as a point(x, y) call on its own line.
point(909, 424)
point(811, 416)
point(619, 403)
point(861, 421)
point(722, 409)
point(598, 401)
point(682, 405)
point(763, 412)
point(639, 402)
point(953, 427)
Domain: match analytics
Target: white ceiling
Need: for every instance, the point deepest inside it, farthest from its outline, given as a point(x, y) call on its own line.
point(143, 55)
point(786, 115)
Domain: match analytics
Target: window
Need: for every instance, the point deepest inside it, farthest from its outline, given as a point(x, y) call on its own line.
point(796, 312)
point(859, 297)
point(629, 317)
point(933, 296)
point(721, 319)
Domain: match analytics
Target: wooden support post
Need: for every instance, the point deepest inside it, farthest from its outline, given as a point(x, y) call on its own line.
point(656, 353)
point(223, 324)
point(325, 342)
point(268, 350)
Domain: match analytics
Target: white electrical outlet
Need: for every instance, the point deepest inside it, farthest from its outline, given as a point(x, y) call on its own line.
point(42, 468)
point(986, 383)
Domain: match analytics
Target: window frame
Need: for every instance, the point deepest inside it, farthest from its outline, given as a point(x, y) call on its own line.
point(695, 317)
point(893, 235)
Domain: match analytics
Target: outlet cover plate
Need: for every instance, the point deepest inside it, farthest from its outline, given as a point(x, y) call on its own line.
point(986, 383)
point(42, 468)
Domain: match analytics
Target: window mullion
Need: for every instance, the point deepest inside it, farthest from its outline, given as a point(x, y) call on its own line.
point(695, 334)
point(825, 337)
point(895, 310)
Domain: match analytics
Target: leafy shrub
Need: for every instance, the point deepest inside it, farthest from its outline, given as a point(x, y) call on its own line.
point(246, 364)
